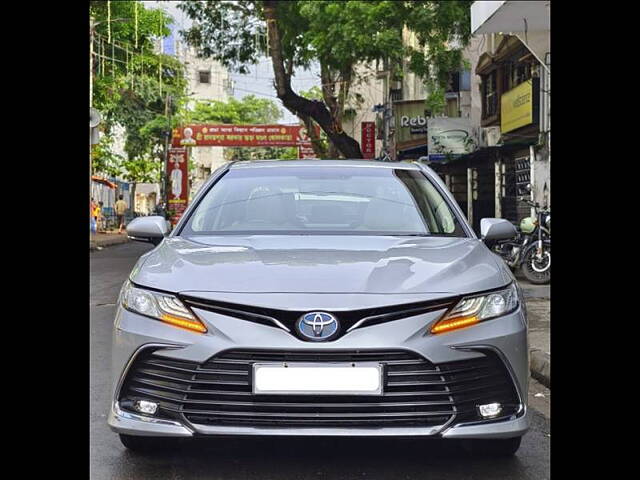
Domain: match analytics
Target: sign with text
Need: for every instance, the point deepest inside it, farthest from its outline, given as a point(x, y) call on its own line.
point(368, 139)
point(178, 176)
point(516, 107)
point(449, 138)
point(411, 123)
point(240, 136)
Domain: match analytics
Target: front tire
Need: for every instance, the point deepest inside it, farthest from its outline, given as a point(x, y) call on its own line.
point(503, 447)
point(537, 271)
point(142, 444)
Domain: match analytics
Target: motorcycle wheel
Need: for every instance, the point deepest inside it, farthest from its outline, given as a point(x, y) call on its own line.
point(537, 271)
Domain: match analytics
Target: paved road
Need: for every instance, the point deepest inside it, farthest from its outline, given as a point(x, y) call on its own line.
point(291, 459)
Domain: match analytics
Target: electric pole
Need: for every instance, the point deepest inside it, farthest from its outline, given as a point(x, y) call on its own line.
point(91, 26)
point(167, 136)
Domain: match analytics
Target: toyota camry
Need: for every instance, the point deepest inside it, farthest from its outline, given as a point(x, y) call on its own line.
point(328, 297)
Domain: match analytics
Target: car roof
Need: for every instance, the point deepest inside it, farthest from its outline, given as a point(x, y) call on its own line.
point(324, 163)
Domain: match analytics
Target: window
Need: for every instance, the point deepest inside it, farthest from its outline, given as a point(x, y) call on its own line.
point(489, 95)
point(323, 200)
point(515, 74)
point(204, 76)
point(453, 83)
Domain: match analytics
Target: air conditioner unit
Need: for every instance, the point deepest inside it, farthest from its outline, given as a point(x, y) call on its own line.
point(490, 136)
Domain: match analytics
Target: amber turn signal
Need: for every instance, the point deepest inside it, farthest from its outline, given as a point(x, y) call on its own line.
point(193, 325)
point(448, 324)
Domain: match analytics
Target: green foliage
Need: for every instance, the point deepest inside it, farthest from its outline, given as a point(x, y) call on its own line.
point(443, 30)
point(130, 87)
point(140, 170)
point(104, 160)
point(230, 32)
point(249, 110)
point(436, 101)
point(314, 93)
point(341, 34)
point(338, 35)
point(261, 153)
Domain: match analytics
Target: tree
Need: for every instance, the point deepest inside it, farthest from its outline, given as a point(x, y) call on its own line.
point(338, 35)
point(131, 86)
point(249, 110)
point(319, 140)
point(104, 159)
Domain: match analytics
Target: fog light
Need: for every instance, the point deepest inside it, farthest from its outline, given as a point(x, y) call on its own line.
point(146, 407)
point(490, 410)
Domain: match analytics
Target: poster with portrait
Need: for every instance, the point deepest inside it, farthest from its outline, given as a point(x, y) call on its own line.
point(178, 183)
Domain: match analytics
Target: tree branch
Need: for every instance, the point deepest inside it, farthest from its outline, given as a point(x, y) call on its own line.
point(295, 103)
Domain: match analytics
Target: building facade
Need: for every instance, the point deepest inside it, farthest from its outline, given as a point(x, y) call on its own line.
point(513, 86)
point(504, 101)
point(366, 92)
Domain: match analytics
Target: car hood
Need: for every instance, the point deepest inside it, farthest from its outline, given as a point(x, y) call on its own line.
point(321, 264)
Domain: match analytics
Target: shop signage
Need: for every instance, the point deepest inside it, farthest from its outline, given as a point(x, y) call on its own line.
point(516, 107)
point(368, 140)
point(449, 138)
point(411, 124)
point(177, 173)
point(240, 136)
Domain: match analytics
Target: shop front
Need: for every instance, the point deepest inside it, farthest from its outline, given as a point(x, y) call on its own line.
point(410, 129)
point(510, 91)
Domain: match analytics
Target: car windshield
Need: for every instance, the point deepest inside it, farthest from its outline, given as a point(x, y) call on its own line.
point(323, 200)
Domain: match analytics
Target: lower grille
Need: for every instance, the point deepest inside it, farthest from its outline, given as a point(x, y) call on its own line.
point(416, 391)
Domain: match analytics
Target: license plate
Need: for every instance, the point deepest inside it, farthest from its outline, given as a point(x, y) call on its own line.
point(313, 379)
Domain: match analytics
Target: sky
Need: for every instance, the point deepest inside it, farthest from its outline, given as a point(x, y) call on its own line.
point(259, 81)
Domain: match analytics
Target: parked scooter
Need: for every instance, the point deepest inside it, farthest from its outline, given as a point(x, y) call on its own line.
point(531, 249)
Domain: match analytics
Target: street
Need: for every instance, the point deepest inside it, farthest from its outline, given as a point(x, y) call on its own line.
point(266, 458)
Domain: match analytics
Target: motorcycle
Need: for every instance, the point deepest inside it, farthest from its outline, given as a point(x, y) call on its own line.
point(531, 249)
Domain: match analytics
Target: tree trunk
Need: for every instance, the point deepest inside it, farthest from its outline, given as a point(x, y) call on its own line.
point(328, 94)
point(316, 142)
point(296, 104)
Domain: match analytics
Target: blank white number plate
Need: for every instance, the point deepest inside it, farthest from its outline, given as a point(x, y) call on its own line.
point(364, 378)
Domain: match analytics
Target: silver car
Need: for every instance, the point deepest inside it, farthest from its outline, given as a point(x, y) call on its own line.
point(306, 298)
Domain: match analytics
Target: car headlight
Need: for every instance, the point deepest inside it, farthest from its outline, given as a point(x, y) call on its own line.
point(161, 306)
point(474, 309)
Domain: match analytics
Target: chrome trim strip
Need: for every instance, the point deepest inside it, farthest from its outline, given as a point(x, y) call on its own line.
point(121, 415)
point(412, 312)
point(502, 429)
point(231, 311)
point(318, 432)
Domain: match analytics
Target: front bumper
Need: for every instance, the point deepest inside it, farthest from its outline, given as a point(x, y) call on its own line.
point(132, 424)
point(505, 336)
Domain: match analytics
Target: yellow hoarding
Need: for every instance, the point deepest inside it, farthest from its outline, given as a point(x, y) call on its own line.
point(516, 107)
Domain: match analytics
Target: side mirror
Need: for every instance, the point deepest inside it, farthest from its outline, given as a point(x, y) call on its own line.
point(148, 229)
point(493, 229)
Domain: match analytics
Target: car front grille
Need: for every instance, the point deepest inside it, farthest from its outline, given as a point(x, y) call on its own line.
point(416, 392)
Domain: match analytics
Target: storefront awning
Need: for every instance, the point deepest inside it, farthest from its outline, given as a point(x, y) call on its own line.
point(103, 181)
point(509, 17)
point(485, 152)
point(412, 152)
